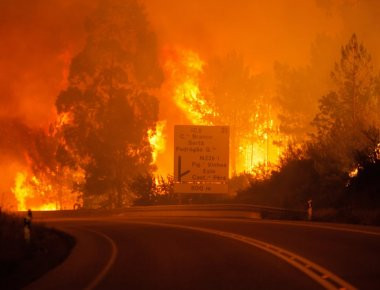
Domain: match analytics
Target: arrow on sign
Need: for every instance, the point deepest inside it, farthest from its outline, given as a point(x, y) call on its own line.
point(180, 173)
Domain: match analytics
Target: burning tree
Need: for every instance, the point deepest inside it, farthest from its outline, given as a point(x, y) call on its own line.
point(225, 92)
point(109, 103)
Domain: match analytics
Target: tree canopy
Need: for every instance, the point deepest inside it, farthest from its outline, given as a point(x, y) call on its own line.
point(349, 112)
point(109, 104)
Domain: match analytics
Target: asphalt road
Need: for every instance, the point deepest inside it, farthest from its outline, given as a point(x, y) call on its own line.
point(160, 252)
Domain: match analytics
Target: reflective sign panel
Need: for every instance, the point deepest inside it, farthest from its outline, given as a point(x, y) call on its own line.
point(201, 155)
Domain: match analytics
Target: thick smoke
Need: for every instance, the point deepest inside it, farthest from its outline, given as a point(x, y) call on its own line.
point(38, 39)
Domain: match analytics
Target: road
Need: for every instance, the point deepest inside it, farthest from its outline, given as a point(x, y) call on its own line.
point(178, 252)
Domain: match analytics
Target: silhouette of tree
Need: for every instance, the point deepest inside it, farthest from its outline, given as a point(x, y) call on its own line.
point(109, 102)
point(348, 111)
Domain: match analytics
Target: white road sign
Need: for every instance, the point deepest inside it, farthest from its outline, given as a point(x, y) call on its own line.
point(201, 155)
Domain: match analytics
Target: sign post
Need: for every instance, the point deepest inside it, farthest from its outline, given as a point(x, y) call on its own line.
point(201, 155)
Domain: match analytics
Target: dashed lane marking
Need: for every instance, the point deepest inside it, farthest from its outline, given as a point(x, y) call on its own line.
point(319, 274)
point(336, 228)
point(301, 224)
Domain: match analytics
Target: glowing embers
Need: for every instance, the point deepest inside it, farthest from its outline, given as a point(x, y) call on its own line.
point(183, 69)
point(354, 172)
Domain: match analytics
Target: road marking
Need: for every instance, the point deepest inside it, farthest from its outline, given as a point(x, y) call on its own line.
point(110, 261)
point(316, 272)
point(297, 223)
point(337, 228)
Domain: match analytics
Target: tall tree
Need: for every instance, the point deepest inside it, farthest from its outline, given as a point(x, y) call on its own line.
point(109, 102)
point(348, 112)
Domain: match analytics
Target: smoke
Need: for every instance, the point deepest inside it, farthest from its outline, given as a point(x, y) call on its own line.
point(264, 31)
point(38, 39)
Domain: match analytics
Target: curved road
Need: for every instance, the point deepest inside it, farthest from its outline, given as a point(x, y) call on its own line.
point(142, 252)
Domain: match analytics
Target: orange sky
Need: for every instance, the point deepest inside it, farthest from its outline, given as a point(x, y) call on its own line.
point(263, 31)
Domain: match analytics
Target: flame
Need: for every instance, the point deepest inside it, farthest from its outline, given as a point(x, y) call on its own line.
point(64, 119)
point(259, 145)
point(184, 69)
point(354, 172)
point(25, 193)
point(46, 207)
point(49, 193)
point(157, 140)
point(20, 191)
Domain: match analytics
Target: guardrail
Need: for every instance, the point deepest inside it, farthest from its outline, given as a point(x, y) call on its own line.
point(264, 211)
point(203, 210)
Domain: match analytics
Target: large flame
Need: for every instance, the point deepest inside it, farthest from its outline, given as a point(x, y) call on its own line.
point(27, 197)
point(259, 146)
point(51, 192)
point(183, 69)
point(157, 140)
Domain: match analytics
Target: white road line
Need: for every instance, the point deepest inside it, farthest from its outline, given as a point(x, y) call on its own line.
point(316, 272)
point(329, 227)
point(300, 224)
point(109, 263)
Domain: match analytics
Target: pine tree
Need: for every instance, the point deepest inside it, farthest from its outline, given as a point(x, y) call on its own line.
point(346, 113)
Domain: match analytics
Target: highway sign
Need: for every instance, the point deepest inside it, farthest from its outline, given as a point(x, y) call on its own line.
point(201, 155)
